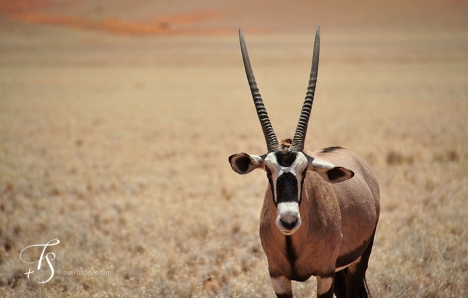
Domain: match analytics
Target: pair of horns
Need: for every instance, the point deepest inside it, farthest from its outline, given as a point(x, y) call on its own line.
point(301, 130)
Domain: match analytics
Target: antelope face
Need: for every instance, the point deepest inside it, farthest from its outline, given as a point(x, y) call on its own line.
point(286, 171)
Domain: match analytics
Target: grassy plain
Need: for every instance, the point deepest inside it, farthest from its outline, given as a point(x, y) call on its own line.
point(118, 146)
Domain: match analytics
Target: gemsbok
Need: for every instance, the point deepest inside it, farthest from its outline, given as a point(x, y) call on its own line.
point(321, 208)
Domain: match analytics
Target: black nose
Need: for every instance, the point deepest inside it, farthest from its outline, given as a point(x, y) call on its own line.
point(289, 225)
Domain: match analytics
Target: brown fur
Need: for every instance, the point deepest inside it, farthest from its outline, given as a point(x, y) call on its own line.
point(286, 143)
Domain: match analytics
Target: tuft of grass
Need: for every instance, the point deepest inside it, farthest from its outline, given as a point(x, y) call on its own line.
point(450, 155)
point(396, 158)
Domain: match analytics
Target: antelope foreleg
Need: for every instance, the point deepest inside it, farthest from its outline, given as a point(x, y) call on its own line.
point(325, 286)
point(282, 286)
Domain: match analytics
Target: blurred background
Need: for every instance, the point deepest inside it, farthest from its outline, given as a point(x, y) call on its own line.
point(117, 119)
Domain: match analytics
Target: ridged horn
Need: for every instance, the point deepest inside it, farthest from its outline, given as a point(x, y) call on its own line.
point(301, 130)
point(270, 137)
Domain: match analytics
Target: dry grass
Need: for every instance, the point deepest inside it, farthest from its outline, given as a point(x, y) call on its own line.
point(118, 147)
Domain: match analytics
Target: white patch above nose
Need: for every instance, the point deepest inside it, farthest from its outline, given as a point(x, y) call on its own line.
point(288, 213)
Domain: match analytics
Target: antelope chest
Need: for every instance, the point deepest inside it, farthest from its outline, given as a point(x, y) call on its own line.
point(298, 257)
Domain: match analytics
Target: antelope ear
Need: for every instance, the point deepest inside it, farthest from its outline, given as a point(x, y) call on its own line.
point(328, 171)
point(243, 163)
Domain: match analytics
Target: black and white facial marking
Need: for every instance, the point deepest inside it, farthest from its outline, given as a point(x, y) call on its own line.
point(286, 171)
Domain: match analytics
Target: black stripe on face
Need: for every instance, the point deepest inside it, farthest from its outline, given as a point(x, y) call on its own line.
point(286, 188)
point(302, 183)
point(270, 180)
point(285, 158)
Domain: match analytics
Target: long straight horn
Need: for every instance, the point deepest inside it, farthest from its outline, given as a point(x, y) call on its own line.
point(270, 137)
point(301, 130)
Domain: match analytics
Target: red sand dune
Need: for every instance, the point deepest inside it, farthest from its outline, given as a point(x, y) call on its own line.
point(38, 12)
point(168, 24)
point(144, 17)
point(8, 6)
point(112, 25)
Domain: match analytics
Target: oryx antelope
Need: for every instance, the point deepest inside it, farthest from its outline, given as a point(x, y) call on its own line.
point(321, 208)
